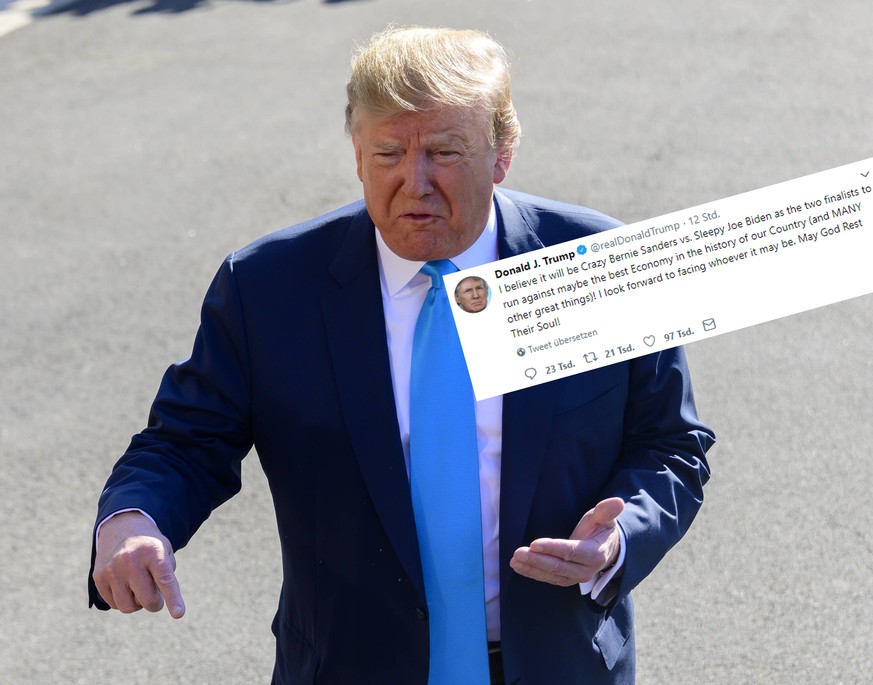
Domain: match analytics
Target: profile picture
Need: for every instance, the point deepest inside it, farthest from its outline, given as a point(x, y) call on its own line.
point(472, 294)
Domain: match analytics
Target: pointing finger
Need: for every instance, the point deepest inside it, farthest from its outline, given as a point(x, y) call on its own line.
point(168, 585)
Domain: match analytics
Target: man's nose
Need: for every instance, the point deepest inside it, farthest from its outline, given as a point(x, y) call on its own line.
point(417, 180)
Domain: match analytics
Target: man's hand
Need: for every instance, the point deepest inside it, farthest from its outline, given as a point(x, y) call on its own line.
point(593, 546)
point(134, 568)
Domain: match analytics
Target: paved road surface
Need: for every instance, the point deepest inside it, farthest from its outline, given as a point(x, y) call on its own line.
point(142, 141)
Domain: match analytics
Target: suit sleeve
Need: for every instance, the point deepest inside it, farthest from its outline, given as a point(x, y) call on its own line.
point(187, 461)
point(662, 468)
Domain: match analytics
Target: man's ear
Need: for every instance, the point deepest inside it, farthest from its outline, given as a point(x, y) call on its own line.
point(359, 157)
point(501, 165)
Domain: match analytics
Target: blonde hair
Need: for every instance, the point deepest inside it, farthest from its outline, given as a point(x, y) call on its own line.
point(415, 69)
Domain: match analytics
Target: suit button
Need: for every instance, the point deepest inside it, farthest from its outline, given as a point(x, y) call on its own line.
point(421, 613)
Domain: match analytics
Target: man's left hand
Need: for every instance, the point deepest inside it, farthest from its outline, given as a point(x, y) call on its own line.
point(593, 546)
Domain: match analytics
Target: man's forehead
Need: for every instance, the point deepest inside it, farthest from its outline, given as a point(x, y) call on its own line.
point(389, 140)
point(448, 123)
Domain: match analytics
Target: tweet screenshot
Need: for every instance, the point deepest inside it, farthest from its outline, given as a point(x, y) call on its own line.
point(676, 279)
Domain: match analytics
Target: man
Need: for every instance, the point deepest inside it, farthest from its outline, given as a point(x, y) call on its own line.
point(583, 484)
point(471, 294)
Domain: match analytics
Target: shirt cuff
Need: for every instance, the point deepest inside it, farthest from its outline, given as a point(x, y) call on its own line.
point(596, 585)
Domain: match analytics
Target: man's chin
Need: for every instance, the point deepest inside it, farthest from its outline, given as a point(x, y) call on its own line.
point(423, 244)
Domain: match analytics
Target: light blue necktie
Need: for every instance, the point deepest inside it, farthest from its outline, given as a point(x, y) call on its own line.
point(444, 477)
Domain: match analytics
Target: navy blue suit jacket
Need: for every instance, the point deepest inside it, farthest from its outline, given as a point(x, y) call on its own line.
point(291, 357)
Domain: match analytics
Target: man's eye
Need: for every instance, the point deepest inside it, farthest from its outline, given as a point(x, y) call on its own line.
point(447, 154)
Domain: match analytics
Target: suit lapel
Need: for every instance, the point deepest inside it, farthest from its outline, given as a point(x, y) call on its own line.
point(355, 324)
point(527, 414)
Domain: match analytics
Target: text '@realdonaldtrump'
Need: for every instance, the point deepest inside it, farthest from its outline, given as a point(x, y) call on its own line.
point(675, 279)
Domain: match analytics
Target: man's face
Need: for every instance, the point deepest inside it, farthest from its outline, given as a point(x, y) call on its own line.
point(428, 179)
point(471, 295)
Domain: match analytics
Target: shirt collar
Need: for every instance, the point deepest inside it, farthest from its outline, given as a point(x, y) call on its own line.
point(398, 272)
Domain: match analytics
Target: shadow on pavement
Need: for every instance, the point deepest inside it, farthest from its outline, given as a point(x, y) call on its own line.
point(83, 8)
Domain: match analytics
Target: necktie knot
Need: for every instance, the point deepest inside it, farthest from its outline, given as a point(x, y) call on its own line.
point(436, 270)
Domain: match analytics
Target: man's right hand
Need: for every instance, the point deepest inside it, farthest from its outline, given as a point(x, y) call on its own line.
point(134, 567)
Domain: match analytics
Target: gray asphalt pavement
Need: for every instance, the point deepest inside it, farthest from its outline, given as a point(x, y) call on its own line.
point(140, 142)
